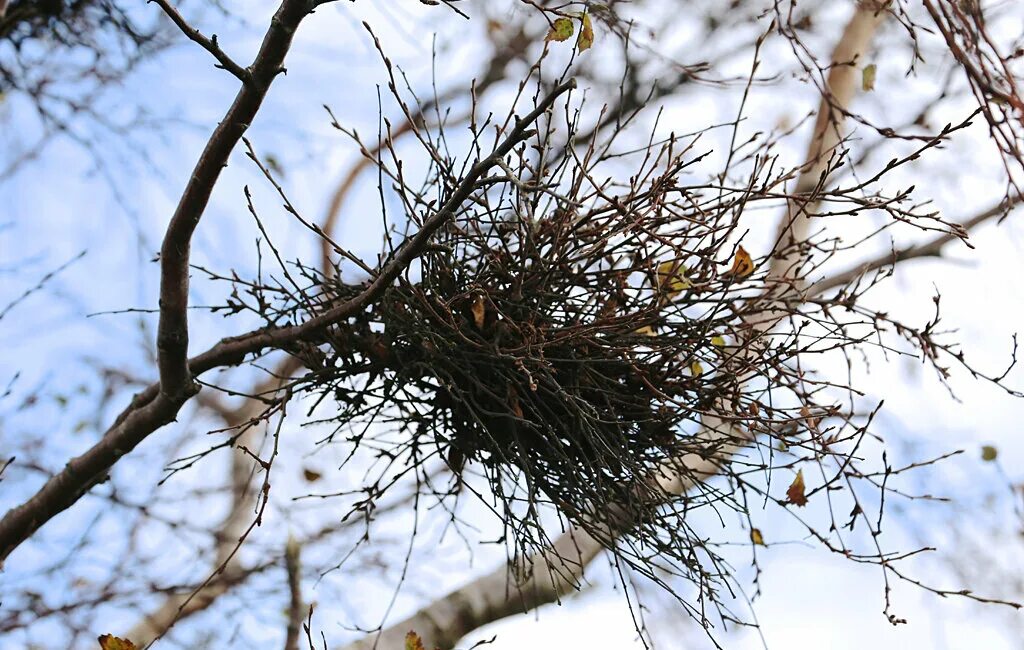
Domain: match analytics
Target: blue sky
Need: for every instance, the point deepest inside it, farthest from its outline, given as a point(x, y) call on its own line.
point(58, 205)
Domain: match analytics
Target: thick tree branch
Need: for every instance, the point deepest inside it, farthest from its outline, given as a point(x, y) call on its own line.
point(178, 606)
point(493, 597)
point(172, 333)
point(155, 407)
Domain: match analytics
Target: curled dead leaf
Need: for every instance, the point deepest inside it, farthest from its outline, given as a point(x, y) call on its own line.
point(456, 459)
point(756, 537)
point(586, 37)
point(742, 264)
point(478, 309)
point(796, 491)
point(111, 642)
point(413, 641)
point(811, 419)
point(513, 402)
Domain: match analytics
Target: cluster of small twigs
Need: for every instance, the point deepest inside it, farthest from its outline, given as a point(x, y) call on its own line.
point(99, 43)
point(103, 34)
point(579, 339)
point(71, 24)
point(992, 73)
point(566, 318)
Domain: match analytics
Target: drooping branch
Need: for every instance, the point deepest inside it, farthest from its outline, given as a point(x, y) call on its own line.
point(543, 579)
point(989, 73)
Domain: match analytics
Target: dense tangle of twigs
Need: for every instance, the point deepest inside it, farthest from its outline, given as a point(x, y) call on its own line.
point(574, 339)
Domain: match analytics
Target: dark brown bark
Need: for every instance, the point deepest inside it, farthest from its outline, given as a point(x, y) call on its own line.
point(172, 334)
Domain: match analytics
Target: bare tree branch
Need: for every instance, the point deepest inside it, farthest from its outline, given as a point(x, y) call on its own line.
point(842, 83)
point(559, 336)
point(232, 530)
point(542, 579)
point(932, 248)
point(172, 334)
point(154, 408)
point(296, 607)
point(494, 596)
point(208, 44)
point(178, 606)
point(510, 49)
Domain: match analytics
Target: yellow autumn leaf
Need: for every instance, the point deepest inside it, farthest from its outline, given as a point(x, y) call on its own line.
point(811, 419)
point(413, 641)
point(796, 491)
point(479, 311)
point(867, 77)
point(561, 30)
point(646, 330)
point(111, 642)
point(672, 278)
point(742, 264)
point(586, 37)
point(696, 369)
point(756, 537)
point(989, 453)
point(718, 341)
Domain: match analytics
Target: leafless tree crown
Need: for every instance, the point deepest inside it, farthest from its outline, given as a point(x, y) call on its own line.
point(577, 318)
